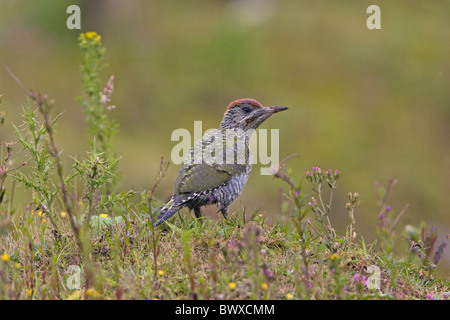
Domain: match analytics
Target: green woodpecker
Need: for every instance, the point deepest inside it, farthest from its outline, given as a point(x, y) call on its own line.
point(217, 167)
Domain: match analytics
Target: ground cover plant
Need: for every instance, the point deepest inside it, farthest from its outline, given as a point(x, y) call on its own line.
point(79, 237)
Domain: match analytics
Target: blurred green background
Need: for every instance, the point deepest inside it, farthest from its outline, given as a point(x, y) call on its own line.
point(374, 104)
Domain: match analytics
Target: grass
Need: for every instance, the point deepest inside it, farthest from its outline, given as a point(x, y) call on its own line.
point(79, 238)
point(200, 260)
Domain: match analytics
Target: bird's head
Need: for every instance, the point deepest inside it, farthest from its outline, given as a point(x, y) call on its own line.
point(247, 114)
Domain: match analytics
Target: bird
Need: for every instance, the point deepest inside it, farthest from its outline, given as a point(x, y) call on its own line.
point(217, 167)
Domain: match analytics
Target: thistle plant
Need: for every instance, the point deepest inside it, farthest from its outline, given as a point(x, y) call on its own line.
point(32, 137)
point(97, 172)
point(95, 101)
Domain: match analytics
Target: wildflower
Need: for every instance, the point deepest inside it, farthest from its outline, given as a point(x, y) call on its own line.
point(29, 292)
point(63, 213)
point(430, 296)
point(267, 272)
point(5, 257)
point(92, 293)
point(103, 215)
point(334, 256)
point(92, 35)
point(161, 272)
point(76, 295)
point(155, 299)
point(44, 220)
point(260, 215)
point(18, 266)
point(41, 213)
point(264, 286)
point(289, 296)
point(388, 208)
point(356, 277)
point(232, 285)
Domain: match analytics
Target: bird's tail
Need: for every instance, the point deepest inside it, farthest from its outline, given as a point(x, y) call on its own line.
point(169, 209)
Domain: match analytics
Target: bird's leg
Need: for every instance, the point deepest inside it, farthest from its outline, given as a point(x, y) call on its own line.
point(224, 211)
point(198, 212)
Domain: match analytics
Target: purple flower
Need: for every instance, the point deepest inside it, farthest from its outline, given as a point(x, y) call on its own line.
point(388, 208)
point(356, 277)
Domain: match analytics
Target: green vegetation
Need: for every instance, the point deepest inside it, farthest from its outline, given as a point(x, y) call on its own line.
point(75, 213)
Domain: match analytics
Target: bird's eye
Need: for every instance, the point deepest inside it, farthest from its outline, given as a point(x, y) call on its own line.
point(247, 109)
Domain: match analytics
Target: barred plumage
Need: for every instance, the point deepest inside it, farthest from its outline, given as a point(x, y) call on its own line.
point(217, 167)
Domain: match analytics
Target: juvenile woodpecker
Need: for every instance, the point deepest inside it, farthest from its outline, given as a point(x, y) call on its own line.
point(218, 165)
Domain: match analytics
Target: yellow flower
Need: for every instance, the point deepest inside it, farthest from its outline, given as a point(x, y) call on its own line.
point(260, 215)
point(334, 256)
point(103, 215)
point(264, 286)
point(29, 292)
point(161, 272)
point(76, 295)
point(40, 213)
point(18, 266)
point(5, 257)
point(63, 213)
point(32, 211)
point(289, 296)
point(44, 221)
point(155, 299)
point(92, 35)
point(92, 293)
point(232, 285)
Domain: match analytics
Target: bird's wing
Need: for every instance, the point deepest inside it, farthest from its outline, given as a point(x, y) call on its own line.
point(210, 172)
